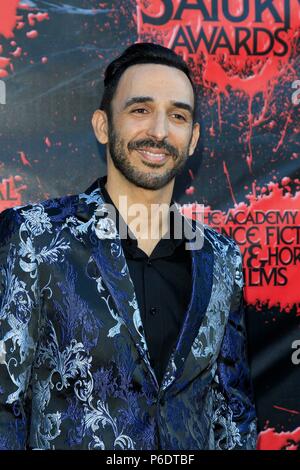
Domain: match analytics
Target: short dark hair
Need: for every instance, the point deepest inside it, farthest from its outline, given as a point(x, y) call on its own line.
point(140, 53)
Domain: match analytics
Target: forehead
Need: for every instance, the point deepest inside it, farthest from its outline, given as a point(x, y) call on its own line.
point(160, 82)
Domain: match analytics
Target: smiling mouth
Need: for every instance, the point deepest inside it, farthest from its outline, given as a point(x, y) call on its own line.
point(156, 156)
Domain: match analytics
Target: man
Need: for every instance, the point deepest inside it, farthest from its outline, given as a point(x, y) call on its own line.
point(134, 341)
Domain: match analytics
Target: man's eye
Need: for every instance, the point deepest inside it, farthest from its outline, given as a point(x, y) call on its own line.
point(179, 116)
point(139, 110)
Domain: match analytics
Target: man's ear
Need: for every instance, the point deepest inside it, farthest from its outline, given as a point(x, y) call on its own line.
point(195, 138)
point(100, 125)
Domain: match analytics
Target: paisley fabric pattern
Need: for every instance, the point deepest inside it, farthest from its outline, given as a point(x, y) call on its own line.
point(74, 364)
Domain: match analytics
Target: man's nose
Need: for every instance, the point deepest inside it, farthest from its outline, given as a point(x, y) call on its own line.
point(158, 127)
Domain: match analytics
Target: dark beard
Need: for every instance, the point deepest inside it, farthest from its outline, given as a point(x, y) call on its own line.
point(138, 178)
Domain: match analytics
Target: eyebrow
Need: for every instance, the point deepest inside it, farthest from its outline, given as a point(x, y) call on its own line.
point(144, 99)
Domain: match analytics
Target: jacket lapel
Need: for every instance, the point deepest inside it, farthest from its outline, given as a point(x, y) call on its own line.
point(97, 230)
point(202, 281)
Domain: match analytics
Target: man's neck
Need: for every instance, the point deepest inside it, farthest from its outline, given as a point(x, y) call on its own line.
point(145, 211)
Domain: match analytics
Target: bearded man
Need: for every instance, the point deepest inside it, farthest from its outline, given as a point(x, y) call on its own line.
point(120, 331)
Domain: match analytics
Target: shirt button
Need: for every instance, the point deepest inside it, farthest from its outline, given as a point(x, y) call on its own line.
point(153, 310)
point(149, 263)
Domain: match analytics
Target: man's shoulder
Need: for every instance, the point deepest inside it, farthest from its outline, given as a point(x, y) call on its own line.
point(38, 216)
point(219, 241)
point(222, 245)
point(57, 209)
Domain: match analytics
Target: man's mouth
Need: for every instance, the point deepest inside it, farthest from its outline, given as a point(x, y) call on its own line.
point(154, 155)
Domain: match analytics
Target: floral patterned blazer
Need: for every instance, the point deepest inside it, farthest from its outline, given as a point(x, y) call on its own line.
point(75, 371)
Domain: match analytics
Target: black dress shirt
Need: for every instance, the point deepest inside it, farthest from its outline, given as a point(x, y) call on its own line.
point(163, 286)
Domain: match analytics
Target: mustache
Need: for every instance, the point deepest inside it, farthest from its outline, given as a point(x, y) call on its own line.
point(138, 144)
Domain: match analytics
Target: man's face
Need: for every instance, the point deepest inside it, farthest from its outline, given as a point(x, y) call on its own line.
point(152, 134)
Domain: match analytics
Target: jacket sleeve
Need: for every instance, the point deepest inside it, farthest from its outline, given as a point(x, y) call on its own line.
point(18, 327)
point(234, 419)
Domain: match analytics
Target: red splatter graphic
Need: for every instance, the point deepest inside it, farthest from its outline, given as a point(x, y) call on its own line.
point(283, 133)
point(293, 412)
point(24, 159)
point(235, 49)
point(32, 34)
point(8, 17)
point(191, 174)
point(36, 17)
point(229, 183)
point(11, 20)
point(48, 142)
point(10, 195)
point(17, 52)
point(272, 440)
point(190, 191)
point(267, 229)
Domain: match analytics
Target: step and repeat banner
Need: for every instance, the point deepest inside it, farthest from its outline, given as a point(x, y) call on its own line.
point(246, 171)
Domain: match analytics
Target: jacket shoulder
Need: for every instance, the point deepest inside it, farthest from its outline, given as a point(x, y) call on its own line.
point(38, 216)
point(221, 242)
